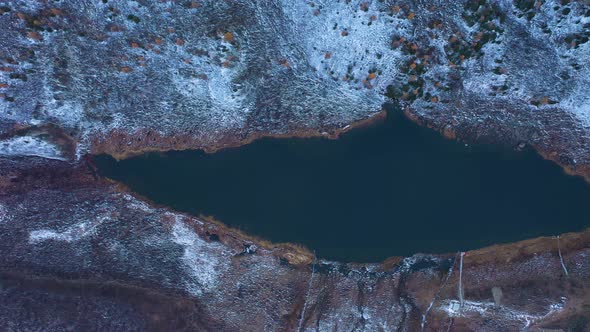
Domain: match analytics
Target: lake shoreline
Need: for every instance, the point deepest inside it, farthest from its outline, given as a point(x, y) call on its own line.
point(395, 116)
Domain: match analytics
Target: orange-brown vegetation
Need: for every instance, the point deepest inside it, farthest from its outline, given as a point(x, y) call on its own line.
point(228, 37)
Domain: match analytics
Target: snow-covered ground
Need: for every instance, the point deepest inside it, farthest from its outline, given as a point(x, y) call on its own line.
point(29, 146)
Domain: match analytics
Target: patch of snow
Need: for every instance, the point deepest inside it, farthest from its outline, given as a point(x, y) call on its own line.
point(561, 258)
point(582, 112)
point(366, 45)
point(136, 204)
point(29, 146)
point(407, 263)
point(71, 234)
point(199, 258)
point(461, 298)
point(68, 113)
point(307, 296)
point(435, 297)
point(579, 106)
point(4, 215)
point(454, 308)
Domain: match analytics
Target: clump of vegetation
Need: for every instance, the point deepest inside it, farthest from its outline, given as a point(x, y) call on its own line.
point(577, 39)
point(458, 50)
point(229, 37)
point(540, 101)
point(133, 18)
point(18, 76)
point(435, 24)
point(527, 8)
point(191, 4)
point(500, 89)
point(43, 21)
point(410, 87)
point(4, 10)
point(488, 17)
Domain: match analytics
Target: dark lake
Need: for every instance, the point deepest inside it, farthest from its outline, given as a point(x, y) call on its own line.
point(393, 188)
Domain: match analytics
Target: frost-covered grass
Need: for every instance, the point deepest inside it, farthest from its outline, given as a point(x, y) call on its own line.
point(73, 233)
point(200, 259)
point(489, 309)
point(172, 68)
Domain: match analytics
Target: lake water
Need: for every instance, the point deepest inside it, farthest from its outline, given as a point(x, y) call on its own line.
point(393, 188)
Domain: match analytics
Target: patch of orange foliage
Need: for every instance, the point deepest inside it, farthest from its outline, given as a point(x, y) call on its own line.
point(285, 63)
point(125, 69)
point(34, 35)
point(372, 76)
point(228, 37)
point(117, 28)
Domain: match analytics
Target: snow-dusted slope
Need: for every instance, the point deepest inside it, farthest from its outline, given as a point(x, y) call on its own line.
point(207, 69)
point(79, 253)
point(125, 76)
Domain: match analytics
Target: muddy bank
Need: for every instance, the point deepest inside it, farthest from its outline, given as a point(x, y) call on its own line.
point(121, 145)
